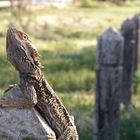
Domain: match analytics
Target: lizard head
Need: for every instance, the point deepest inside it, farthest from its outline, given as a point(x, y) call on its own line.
point(20, 51)
point(16, 36)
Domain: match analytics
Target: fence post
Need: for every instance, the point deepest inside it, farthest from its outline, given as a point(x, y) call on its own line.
point(128, 32)
point(136, 51)
point(109, 58)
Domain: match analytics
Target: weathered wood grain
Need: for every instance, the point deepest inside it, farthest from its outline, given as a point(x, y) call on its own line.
point(128, 32)
point(109, 58)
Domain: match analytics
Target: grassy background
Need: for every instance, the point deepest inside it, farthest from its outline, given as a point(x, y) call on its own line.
point(66, 40)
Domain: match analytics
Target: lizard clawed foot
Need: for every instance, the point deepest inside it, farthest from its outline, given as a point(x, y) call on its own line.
point(3, 103)
point(10, 87)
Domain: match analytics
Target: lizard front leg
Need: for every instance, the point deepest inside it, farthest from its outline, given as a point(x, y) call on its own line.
point(29, 101)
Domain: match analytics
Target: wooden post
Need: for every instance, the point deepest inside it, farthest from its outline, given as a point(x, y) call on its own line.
point(128, 32)
point(109, 58)
point(136, 51)
point(136, 48)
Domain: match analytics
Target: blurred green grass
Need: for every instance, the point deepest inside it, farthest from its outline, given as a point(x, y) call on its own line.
point(66, 40)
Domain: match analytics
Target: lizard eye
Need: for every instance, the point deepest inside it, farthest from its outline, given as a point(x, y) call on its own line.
point(25, 37)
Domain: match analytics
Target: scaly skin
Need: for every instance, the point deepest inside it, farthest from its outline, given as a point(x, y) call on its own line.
point(24, 57)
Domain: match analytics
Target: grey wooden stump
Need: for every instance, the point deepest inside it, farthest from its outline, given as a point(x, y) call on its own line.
point(109, 58)
point(22, 124)
point(128, 32)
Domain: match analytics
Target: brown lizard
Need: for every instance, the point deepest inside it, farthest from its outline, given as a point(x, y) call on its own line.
point(24, 57)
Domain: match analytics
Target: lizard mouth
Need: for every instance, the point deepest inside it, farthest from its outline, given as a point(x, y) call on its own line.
point(11, 37)
point(11, 31)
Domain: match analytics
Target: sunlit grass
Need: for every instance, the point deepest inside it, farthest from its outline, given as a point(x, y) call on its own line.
point(66, 40)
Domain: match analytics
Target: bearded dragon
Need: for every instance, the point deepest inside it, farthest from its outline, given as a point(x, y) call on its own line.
point(22, 54)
